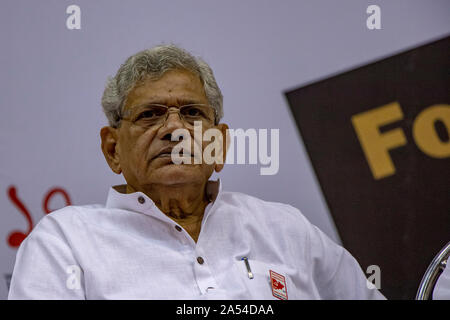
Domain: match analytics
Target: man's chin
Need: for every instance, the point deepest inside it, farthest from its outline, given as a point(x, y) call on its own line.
point(171, 173)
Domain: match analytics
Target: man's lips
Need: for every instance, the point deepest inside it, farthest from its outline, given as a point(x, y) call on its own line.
point(164, 152)
point(167, 153)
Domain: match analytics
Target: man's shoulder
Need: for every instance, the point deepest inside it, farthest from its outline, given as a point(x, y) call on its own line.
point(69, 217)
point(249, 200)
point(75, 212)
point(260, 208)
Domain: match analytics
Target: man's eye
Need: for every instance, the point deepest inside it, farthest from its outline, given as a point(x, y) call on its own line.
point(146, 114)
point(193, 112)
point(150, 114)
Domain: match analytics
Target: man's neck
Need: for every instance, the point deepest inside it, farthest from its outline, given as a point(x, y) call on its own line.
point(185, 204)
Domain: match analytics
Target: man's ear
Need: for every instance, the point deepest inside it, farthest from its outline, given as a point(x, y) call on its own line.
point(223, 127)
point(109, 136)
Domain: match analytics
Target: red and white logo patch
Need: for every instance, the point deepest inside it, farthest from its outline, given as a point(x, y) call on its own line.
point(278, 282)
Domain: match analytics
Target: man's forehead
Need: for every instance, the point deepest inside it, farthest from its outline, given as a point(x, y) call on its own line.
point(174, 87)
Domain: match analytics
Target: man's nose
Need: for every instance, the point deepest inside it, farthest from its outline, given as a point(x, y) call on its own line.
point(172, 123)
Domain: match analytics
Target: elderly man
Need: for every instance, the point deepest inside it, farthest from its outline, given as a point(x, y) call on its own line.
point(169, 232)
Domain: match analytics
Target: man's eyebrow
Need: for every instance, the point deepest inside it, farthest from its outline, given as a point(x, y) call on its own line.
point(180, 102)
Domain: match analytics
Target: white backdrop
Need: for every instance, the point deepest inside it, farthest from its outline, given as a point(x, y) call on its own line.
point(52, 80)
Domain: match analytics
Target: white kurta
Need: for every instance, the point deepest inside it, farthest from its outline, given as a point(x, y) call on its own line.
point(129, 249)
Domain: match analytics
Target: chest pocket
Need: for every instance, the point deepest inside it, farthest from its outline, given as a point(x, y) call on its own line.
point(260, 286)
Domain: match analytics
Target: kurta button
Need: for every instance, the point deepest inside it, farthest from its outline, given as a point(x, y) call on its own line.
point(141, 199)
point(178, 228)
point(200, 260)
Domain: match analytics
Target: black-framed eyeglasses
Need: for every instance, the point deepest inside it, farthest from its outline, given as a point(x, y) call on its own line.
point(156, 114)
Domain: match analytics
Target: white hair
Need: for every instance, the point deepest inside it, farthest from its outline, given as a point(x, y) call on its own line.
point(153, 63)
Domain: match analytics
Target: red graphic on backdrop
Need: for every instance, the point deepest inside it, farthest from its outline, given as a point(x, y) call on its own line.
point(16, 237)
point(50, 194)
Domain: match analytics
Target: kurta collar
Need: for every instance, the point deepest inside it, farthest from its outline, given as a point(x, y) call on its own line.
point(140, 202)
